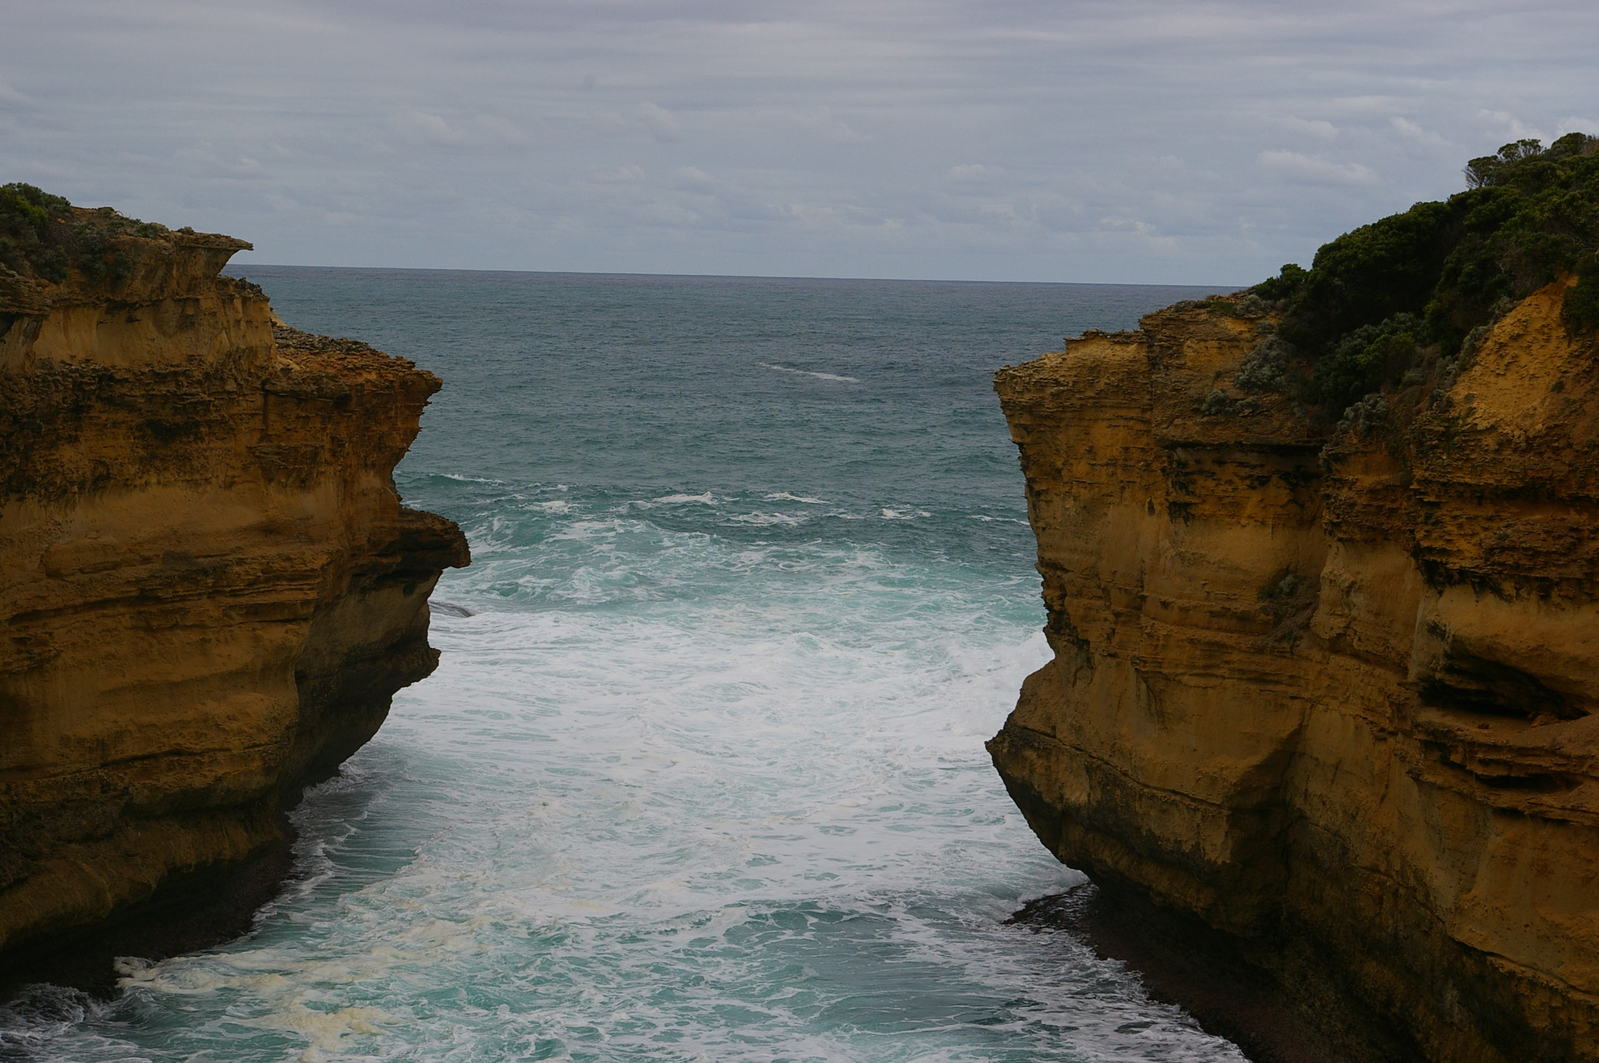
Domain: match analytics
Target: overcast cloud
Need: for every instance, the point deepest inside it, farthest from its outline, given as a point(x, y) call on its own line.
point(1110, 140)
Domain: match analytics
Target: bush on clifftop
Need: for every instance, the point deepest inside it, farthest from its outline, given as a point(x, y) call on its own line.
point(45, 236)
point(26, 244)
point(1395, 294)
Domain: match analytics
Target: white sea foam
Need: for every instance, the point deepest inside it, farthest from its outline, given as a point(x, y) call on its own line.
point(811, 748)
point(761, 518)
point(702, 499)
point(837, 377)
point(784, 496)
point(461, 478)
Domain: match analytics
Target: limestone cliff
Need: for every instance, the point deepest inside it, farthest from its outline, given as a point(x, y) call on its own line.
point(209, 589)
point(1330, 688)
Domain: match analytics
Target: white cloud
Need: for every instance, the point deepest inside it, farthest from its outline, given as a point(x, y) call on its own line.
point(694, 179)
point(619, 175)
point(430, 127)
point(1512, 126)
point(209, 161)
point(10, 97)
point(660, 122)
point(1313, 168)
point(1119, 230)
point(492, 128)
point(974, 171)
point(821, 122)
point(1364, 105)
point(479, 130)
point(1319, 128)
point(1574, 124)
point(1413, 132)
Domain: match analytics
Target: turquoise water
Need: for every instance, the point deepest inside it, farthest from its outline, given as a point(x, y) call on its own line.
point(701, 775)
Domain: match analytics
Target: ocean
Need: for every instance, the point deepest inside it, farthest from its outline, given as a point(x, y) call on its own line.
point(701, 775)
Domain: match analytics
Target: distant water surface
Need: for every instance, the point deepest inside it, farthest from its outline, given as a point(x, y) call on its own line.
point(701, 776)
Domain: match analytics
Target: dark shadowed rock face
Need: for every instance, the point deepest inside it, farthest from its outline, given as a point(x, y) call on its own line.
point(209, 590)
point(1329, 693)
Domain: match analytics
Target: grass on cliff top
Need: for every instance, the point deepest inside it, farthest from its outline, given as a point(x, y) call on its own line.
point(1394, 297)
point(44, 236)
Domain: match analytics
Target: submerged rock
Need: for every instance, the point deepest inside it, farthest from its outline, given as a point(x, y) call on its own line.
point(209, 589)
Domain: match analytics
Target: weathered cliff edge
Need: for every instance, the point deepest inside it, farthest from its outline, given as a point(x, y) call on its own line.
point(1331, 691)
point(209, 590)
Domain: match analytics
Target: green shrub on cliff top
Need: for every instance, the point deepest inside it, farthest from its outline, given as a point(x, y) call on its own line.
point(27, 243)
point(1371, 352)
point(45, 236)
point(1386, 297)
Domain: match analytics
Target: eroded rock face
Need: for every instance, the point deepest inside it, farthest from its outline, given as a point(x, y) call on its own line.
point(1334, 690)
point(209, 589)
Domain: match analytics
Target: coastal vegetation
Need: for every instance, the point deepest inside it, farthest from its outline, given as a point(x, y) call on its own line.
point(44, 236)
point(1400, 301)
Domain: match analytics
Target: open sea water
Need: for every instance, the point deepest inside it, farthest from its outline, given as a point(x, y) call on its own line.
point(701, 776)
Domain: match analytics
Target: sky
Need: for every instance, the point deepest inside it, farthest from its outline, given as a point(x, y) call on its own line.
point(1118, 141)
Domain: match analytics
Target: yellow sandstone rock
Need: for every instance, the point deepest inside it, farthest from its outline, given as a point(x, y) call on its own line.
point(209, 590)
point(1331, 691)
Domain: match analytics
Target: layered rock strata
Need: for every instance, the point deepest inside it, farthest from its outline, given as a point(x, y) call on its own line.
point(1330, 690)
point(209, 589)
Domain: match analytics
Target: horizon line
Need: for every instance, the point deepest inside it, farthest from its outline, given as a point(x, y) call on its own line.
point(738, 276)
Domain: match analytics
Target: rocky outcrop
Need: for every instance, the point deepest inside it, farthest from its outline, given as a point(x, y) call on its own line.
point(1331, 689)
point(209, 589)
